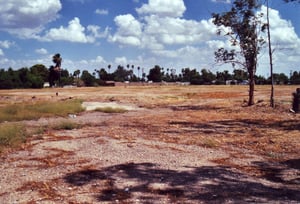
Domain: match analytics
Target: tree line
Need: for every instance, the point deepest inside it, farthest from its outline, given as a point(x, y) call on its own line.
point(242, 24)
point(37, 75)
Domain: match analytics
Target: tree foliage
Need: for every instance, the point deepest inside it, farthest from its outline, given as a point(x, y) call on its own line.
point(155, 74)
point(241, 25)
point(35, 77)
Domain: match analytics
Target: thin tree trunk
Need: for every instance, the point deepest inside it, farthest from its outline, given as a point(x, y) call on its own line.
point(251, 89)
point(271, 59)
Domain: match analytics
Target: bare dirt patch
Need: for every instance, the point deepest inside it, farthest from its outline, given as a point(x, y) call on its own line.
point(176, 144)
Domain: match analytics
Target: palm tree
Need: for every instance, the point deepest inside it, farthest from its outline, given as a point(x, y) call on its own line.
point(132, 74)
point(77, 73)
point(138, 68)
point(109, 66)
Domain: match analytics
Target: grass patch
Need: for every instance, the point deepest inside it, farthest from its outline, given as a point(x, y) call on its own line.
point(31, 111)
point(111, 110)
point(65, 125)
point(209, 143)
point(12, 135)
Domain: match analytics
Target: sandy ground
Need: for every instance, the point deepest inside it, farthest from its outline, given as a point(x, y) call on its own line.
point(173, 145)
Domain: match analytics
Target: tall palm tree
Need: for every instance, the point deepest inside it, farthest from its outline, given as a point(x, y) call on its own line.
point(138, 68)
point(109, 66)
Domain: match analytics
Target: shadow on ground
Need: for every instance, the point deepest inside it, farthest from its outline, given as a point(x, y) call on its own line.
point(148, 183)
point(237, 126)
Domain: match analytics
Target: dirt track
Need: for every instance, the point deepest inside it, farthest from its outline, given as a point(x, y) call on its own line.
point(178, 145)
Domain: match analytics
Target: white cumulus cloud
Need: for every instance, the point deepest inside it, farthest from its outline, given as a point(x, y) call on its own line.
point(27, 15)
point(171, 8)
point(75, 32)
point(159, 26)
point(41, 51)
point(129, 30)
point(282, 30)
point(101, 11)
point(6, 44)
point(222, 1)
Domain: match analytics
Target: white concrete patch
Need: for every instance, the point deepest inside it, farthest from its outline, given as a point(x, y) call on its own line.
point(90, 106)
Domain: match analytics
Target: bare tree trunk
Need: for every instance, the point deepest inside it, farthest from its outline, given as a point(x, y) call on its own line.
point(271, 59)
point(251, 88)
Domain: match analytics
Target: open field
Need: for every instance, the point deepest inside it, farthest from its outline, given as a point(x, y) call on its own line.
point(155, 144)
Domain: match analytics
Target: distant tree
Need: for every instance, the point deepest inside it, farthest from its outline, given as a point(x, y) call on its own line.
point(260, 80)
point(144, 76)
point(66, 78)
point(40, 70)
point(192, 76)
point(138, 68)
point(155, 74)
point(222, 77)
point(295, 78)
point(76, 73)
point(240, 75)
point(122, 74)
point(243, 27)
point(280, 78)
point(6, 81)
point(23, 76)
point(88, 79)
point(109, 67)
point(207, 76)
point(35, 81)
point(103, 75)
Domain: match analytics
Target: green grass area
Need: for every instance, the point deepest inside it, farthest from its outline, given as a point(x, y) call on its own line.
point(31, 111)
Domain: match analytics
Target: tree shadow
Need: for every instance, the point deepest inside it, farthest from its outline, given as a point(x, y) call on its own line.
point(234, 126)
point(286, 172)
point(148, 182)
point(194, 107)
point(293, 163)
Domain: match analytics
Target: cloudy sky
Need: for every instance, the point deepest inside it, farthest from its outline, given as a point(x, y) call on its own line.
point(90, 34)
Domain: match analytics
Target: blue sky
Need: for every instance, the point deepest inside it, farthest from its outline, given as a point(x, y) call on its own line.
point(90, 34)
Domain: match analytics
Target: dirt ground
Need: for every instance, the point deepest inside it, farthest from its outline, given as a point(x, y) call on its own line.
point(175, 144)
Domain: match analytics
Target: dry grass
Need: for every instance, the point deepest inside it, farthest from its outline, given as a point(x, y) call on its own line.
point(35, 110)
point(12, 135)
point(111, 110)
point(210, 116)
